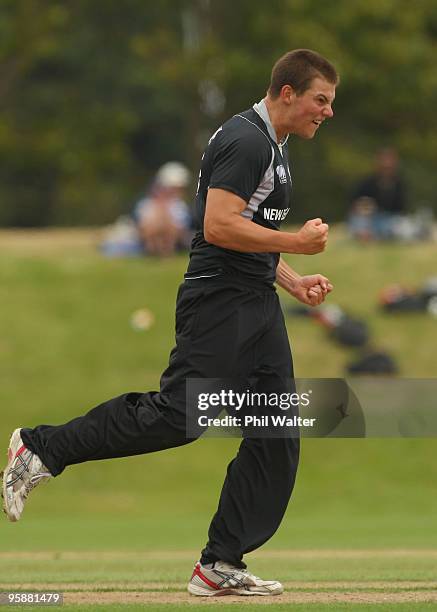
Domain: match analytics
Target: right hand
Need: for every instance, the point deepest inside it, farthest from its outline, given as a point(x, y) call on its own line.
point(312, 289)
point(312, 237)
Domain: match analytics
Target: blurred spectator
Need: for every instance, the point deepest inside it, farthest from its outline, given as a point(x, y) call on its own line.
point(163, 217)
point(379, 200)
point(161, 222)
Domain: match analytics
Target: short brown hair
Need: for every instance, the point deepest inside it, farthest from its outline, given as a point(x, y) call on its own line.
point(298, 68)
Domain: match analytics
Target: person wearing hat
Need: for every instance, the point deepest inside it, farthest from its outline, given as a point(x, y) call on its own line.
point(163, 217)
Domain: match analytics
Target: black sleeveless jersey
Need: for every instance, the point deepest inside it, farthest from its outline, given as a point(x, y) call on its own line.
point(242, 157)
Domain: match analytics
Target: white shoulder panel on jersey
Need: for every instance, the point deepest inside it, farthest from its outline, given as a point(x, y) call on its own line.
point(267, 183)
point(263, 190)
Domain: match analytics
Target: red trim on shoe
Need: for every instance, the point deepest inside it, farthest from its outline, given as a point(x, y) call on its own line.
point(21, 450)
point(197, 572)
point(11, 455)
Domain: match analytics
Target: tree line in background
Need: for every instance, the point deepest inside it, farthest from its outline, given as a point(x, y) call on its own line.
point(96, 94)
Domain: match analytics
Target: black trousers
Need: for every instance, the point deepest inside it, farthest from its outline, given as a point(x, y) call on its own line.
point(222, 330)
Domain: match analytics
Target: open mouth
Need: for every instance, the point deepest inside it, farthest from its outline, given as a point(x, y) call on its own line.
point(317, 122)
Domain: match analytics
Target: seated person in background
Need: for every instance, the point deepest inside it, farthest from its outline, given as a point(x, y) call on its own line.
point(163, 218)
point(378, 200)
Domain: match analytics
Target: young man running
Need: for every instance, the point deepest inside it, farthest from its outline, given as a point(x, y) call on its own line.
point(228, 325)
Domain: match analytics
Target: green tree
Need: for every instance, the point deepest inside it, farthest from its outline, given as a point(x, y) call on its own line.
point(95, 95)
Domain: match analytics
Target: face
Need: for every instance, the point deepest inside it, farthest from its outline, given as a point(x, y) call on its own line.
point(387, 162)
point(308, 111)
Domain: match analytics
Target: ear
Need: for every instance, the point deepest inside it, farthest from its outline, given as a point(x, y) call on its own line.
point(287, 94)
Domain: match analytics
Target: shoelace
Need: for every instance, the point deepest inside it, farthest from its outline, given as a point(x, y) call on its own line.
point(247, 573)
point(238, 572)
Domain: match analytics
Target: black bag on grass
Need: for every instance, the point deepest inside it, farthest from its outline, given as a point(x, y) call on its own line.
point(350, 331)
point(374, 362)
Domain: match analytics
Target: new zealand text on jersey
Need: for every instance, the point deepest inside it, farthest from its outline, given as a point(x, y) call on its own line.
point(275, 214)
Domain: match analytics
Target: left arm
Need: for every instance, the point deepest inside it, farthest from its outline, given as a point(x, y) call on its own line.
point(310, 290)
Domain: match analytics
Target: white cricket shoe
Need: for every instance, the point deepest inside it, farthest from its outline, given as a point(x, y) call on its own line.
point(225, 579)
point(24, 472)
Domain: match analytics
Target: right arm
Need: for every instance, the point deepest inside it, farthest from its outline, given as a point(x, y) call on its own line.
point(225, 227)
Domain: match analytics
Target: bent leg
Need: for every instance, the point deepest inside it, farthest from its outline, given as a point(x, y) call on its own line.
point(131, 424)
point(137, 423)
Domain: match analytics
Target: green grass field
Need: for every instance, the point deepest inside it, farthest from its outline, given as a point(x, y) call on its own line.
point(361, 530)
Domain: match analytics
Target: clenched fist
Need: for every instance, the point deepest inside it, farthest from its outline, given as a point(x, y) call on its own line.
point(311, 290)
point(312, 237)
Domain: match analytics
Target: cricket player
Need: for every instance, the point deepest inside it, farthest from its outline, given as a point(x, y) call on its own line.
point(228, 324)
